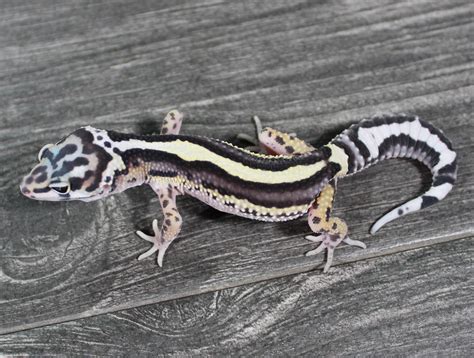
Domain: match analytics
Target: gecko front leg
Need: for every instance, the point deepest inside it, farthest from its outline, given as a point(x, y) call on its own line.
point(171, 223)
point(171, 226)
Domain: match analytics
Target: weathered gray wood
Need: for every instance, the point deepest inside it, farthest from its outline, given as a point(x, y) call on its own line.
point(415, 303)
point(305, 67)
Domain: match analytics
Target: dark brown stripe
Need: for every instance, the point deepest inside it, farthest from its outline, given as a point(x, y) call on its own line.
point(227, 151)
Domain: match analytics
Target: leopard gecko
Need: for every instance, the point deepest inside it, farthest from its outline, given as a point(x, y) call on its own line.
point(286, 180)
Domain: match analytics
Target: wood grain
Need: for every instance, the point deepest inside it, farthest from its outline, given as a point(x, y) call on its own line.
point(416, 303)
point(312, 68)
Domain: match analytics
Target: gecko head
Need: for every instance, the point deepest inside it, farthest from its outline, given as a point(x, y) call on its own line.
point(78, 167)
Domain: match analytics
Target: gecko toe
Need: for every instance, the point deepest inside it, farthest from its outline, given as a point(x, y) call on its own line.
point(149, 252)
point(329, 260)
point(161, 253)
point(357, 243)
point(144, 236)
point(317, 250)
point(314, 238)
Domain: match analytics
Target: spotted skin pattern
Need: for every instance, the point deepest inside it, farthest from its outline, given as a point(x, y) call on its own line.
point(275, 142)
point(171, 223)
point(289, 180)
point(172, 123)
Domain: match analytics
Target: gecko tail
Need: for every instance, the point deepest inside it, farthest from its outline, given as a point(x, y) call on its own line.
point(401, 136)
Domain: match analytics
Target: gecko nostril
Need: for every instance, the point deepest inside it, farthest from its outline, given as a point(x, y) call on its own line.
point(25, 190)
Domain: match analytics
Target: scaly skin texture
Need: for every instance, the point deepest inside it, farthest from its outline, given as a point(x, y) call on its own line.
point(288, 180)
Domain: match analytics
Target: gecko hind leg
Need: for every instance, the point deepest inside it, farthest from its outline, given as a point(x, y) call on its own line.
point(274, 142)
point(332, 230)
point(172, 122)
point(248, 138)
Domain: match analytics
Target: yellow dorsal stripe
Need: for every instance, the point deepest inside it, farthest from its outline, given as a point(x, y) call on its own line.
point(193, 152)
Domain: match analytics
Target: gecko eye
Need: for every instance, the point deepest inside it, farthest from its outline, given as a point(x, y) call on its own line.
point(61, 188)
point(42, 150)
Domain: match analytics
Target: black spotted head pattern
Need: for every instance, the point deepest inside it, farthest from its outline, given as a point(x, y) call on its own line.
point(79, 167)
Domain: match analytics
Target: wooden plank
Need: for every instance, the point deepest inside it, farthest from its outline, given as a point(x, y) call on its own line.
point(309, 68)
point(415, 303)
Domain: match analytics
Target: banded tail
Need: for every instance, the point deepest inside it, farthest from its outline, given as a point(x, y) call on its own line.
point(401, 136)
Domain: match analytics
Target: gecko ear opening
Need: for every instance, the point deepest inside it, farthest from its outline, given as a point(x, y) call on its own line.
point(42, 150)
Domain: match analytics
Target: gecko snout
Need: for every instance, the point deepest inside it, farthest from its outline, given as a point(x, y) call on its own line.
point(36, 183)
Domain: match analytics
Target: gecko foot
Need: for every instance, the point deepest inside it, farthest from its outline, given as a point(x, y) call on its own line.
point(159, 244)
point(329, 242)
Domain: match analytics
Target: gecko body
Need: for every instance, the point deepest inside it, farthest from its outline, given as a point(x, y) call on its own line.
point(289, 180)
